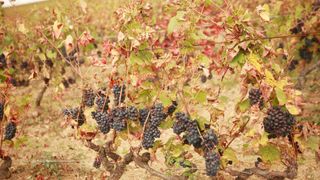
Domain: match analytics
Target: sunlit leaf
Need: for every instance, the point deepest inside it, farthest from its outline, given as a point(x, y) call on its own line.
point(281, 96)
point(238, 60)
point(294, 110)
point(244, 105)
point(269, 153)
point(253, 59)
point(201, 96)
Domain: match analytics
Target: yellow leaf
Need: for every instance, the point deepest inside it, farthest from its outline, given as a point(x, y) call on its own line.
point(254, 61)
point(264, 139)
point(281, 84)
point(269, 78)
point(250, 133)
point(294, 110)
point(263, 12)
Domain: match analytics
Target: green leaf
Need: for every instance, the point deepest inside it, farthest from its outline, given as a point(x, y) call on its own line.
point(269, 153)
point(51, 54)
point(168, 123)
point(177, 150)
point(204, 60)
point(281, 96)
point(201, 122)
point(166, 101)
point(42, 56)
point(175, 22)
point(313, 142)
point(238, 60)
point(230, 155)
point(134, 59)
point(276, 68)
point(201, 97)
point(20, 141)
point(244, 105)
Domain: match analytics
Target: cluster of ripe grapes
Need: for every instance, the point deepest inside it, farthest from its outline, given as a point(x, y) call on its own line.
point(11, 127)
point(15, 81)
point(192, 135)
point(278, 122)
point(149, 118)
point(310, 44)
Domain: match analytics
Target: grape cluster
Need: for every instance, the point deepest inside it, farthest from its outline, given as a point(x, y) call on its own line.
point(305, 53)
point(157, 115)
point(76, 114)
point(18, 82)
point(256, 98)
point(149, 136)
point(1, 111)
point(117, 92)
point(103, 120)
point(102, 102)
point(172, 108)
point(143, 115)
point(152, 132)
point(212, 163)
point(210, 140)
point(24, 65)
point(133, 113)
point(181, 122)
point(292, 65)
point(10, 131)
point(298, 28)
point(278, 122)
point(119, 116)
point(49, 63)
point(192, 134)
point(88, 97)
point(3, 62)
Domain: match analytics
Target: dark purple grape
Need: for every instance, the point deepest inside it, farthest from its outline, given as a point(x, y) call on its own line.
point(10, 131)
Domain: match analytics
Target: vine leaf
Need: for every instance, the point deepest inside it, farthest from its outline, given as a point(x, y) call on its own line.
point(313, 142)
point(263, 12)
point(177, 150)
point(175, 22)
point(269, 78)
point(253, 59)
point(201, 97)
point(166, 101)
point(244, 105)
point(269, 153)
point(229, 155)
point(238, 60)
point(294, 110)
point(281, 96)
